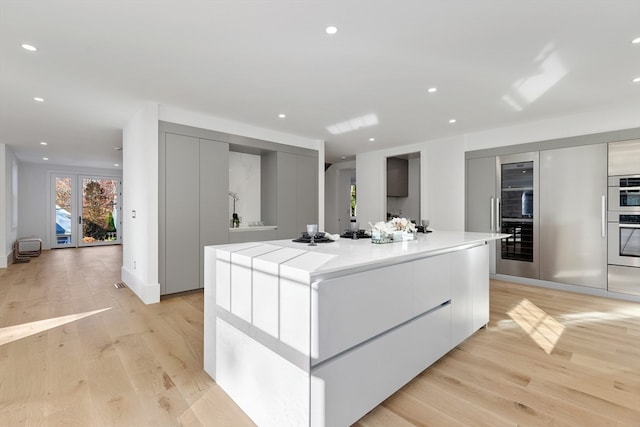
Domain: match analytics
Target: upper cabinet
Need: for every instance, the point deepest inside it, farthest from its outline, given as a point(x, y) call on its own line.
point(624, 157)
point(397, 177)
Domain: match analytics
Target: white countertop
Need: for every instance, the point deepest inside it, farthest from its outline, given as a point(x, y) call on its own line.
point(346, 256)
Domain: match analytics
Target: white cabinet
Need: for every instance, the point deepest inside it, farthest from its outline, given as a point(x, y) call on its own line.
point(353, 383)
point(469, 292)
point(320, 338)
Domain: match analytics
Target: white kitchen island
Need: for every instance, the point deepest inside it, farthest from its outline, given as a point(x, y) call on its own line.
point(302, 335)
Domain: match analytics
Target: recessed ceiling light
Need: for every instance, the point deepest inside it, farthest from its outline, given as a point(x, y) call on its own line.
point(45, 158)
point(372, 139)
point(331, 30)
point(38, 99)
point(432, 89)
point(29, 47)
point(116, 164)
point(43, 143)
point(452, 120)
point(636, 40)
point(636, 80)
point(282, 116)
point(343, 157)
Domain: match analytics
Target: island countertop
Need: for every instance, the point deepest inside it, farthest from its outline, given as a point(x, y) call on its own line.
point(346, 256)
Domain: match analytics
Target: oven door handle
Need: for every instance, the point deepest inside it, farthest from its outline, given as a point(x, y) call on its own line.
point(629, 226)
point(629, 188)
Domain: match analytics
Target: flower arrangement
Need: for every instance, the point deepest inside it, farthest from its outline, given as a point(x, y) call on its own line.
point(398, 229)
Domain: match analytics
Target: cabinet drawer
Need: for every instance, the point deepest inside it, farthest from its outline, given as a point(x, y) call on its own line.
point(345, 388)
point(349, 310)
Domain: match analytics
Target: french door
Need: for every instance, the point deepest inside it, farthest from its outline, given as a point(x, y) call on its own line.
point(85, 210)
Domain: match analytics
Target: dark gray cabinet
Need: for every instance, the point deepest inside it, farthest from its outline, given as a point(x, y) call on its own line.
point(397, 177)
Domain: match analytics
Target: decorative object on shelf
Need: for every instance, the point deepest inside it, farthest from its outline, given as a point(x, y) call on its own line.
point(235, 219)
point(395, 230)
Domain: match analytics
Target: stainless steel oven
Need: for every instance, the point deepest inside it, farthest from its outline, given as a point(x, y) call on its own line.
point(624, 193)
point(624, 239)
point(624, 252)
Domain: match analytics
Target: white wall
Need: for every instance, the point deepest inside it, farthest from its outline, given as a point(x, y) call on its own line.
point(34, 197)
point(8, 203)
point(140, 184)
point(557, 127)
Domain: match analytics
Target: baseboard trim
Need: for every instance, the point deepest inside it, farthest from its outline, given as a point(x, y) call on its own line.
point(566, 287)
point(149, 293)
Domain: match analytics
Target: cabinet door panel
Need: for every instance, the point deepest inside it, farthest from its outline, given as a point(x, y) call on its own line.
point(307, 192)
point(214, 191)
point(573, 182)
point(286, 193)
point(481, 188)
point(181, 263)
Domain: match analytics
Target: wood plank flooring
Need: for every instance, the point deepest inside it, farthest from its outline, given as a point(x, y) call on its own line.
point(546, 358)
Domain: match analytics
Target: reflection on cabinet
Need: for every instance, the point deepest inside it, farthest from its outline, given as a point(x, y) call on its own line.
point(573, 187)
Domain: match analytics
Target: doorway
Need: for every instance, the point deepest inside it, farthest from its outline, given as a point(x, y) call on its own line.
point(85, 210)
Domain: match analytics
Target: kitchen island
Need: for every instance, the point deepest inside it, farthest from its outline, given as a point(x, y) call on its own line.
point(302, 335)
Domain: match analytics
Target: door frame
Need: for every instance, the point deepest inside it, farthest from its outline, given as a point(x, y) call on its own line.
point(76, 209)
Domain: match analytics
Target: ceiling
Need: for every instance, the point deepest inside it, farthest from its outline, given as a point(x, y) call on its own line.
point(494, 64)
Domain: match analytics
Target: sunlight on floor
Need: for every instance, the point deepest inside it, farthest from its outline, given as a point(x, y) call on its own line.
point(16, 332)
point(540, 326)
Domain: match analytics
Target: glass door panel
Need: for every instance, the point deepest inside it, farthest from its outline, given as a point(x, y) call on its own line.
point(64, 225)
point(99, 217)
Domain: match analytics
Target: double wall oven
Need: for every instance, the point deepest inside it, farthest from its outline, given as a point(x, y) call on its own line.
point(624, 220)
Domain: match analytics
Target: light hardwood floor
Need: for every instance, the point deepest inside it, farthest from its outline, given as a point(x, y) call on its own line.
point(546, 358)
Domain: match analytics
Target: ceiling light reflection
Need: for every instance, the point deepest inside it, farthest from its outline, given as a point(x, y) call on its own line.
point(550, 70)
point(353, 124)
